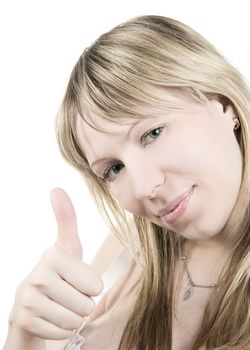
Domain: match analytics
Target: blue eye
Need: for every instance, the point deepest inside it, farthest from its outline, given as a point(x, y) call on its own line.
point(151, 135)
point(114, 169)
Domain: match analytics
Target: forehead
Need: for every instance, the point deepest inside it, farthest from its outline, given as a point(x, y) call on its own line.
point(172, 99)
point(102, 132)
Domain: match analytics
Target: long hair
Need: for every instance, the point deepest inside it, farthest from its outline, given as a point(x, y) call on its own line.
point(113, 78)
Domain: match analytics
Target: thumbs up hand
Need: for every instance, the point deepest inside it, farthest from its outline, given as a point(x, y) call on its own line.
point(53, 299)
point(67, 235)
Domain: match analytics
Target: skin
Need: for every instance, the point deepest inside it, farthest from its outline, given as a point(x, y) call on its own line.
point(53, 299)
point(193, 147)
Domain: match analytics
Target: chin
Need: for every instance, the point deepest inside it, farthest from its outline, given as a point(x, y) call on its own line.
point(202, 236)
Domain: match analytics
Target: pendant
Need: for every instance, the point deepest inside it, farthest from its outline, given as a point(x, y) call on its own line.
point(75, 342)
point(188, 293)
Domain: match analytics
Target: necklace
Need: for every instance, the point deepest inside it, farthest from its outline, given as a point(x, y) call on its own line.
point(191, 285)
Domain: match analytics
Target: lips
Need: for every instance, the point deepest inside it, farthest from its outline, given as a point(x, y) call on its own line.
point(173, 204)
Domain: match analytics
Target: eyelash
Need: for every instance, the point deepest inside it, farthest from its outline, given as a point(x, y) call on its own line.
point(106, 176)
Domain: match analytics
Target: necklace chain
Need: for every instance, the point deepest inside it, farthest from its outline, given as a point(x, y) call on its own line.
point(191, 284)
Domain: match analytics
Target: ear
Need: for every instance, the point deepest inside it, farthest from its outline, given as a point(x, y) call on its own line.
point(224, 108)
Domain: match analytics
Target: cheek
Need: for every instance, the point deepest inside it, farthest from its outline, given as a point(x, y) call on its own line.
point(123, 197)
point(184, 158)
point(194, 152)
point(126, 198)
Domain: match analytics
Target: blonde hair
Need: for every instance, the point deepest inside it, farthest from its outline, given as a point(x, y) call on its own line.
point(113, 78)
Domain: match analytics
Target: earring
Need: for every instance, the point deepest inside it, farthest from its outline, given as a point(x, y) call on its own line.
point(237, 123)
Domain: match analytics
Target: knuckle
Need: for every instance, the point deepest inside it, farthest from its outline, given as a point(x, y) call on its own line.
point(39, 278)
point(20, 290)
point(23, 322)
point(38, 282)
point(24, 297)
point(27, 299)
point(50, 255)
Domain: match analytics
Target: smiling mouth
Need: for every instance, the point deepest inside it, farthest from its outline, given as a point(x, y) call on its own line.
point(173, 213)
point(174, 204)
point(179, 210)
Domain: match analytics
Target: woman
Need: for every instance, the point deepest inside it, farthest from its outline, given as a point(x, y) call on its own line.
point(157, 122)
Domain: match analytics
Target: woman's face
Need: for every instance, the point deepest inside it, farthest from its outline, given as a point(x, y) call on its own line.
point(188, 158)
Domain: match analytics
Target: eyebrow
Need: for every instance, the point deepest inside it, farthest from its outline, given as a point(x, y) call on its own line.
point(96, 161)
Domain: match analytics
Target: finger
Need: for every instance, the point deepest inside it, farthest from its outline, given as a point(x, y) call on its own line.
point(78, 274)
point(57, 314)
point(63, 266)
point(45, 330)
point(67, 237)
point(72, 299)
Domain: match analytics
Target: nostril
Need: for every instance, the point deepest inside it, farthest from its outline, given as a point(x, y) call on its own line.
point(153, 193)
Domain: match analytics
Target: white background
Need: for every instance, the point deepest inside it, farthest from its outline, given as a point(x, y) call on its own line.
point(40, 42)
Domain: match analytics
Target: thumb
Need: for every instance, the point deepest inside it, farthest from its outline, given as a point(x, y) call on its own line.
point(67, 235)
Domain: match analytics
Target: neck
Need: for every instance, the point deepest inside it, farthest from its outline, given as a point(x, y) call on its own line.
point(207, 258)
point(219, 243)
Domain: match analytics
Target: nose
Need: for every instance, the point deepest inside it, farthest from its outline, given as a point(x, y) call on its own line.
point(154, 192)
point(146, 180)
